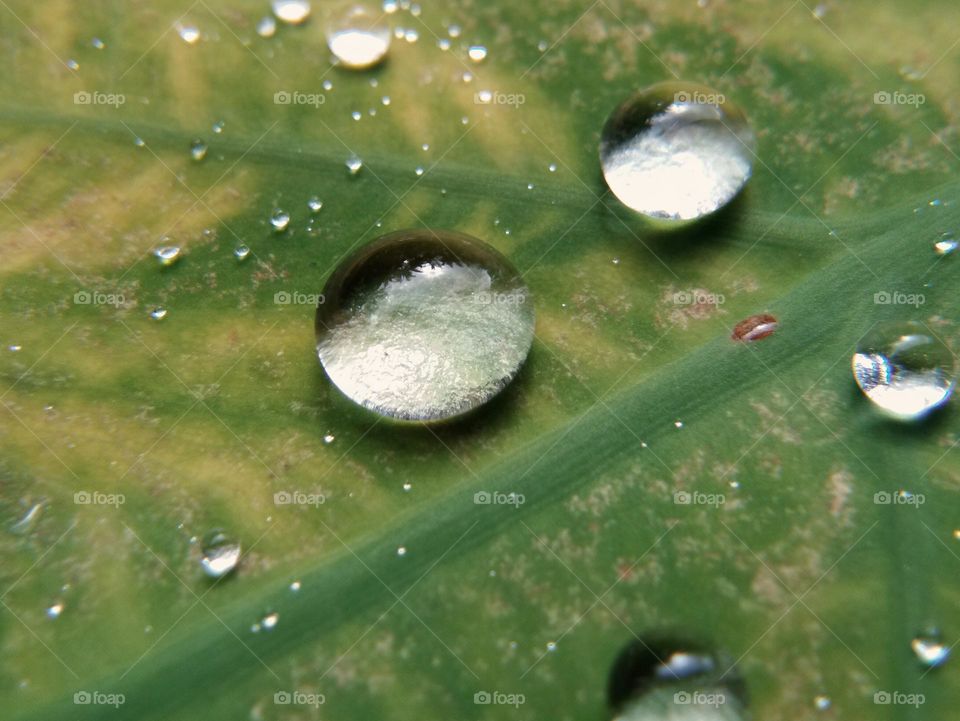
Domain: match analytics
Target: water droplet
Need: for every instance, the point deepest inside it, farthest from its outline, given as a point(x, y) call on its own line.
point(15, 348)
point(267, 26)
point(356, 115)
point(328, 85)
point(28, 521)
point(280, 220)
point(676, 151)
point(189, 33)
point(477, 53)
point(615, 261)
point(329, 438)
point(552, 167)
point(292, 12)
point(418, 170)
point(315, 204)
point(443, 44)
point(385, 100)
point(55, 610)
point(415, 10)
point(241, 252)
point(661, 678)
point(454, 31)
point(946, 245)
point(295, 586)
point(98, 43)
point(822, 703)
point(218, 127)
point(390, 6)
point(424, 325)
point(198, 150)
point(411, 35)
point(542, 46)
point(221, 554)
point(269, 621)
point(678, 424)
point(158, 313)
point(73, 64)
point(467, 76)
point(138, 141)
point(956, 534)
point(354, 164)
point(358, 37)
point(756, 327)
point(402, 551)
point(930, 650)
point(551, 646)
point(407, 487)
point(904, 369)
point(167, 255)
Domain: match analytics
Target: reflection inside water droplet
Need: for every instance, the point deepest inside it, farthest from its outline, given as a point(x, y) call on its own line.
point(904, 369)
point(358, 36)
point(220, 554)
point(676, 151)
point(424, 325)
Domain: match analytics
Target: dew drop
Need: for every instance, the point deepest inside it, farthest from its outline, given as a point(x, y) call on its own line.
point(542, 46)
point(220, 554)
point(443, 44)
point(477, 53)
point(551, 646)
point(295, 586)
point(678, 424)
point(946, 245)
point(267, 26)
point(358, 37)
point(189, 34)
point(328, 85)
point(454, 31)
point(54, 611)
point(354, 164)
point(198, 150)
point(822, 703)
point(280, 219)
point(419, 170)
point(28, 521)
point(269, 621)
point(241, 252)
point(315, 204)
point(390, 6)
point(292, 12)
point(329, 438)
point(756, 327)
point(552, 167)
point(407, 487)
point(138, 141)
point(15, 348)
point(411, 35)
point(930, 650)
point(167, 255)
point(158, 313)
point(904, 369)
point(73, 64)
point(424, 325)
point(356, 115)
point(385, 100)
point(402, 551)
point(98, 43)
point(676, 151)
point(218, 127)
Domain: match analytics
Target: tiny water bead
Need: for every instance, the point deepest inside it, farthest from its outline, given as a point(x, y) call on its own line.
point(267, 27)
point(822, 703)
point(54, 611)
point(904, 369)
point(315, 204)
point(477, 53)
point(756, 327)
point(280, 219)
point(676, 151)
point(354, 164)
point(946, 245)
point(424, 325)
point(189, 34)
point(158, 313)
point(218, 127)
point(220, 554)
point(292, 12)
point(930, 650)
point(198, 150)
point(358, 36)
point(167, 255)
point(241, 252)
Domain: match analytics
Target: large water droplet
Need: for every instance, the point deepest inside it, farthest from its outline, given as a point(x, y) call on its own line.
point(657, 679)
point(354, 164)
point(358, 36)
point(292, 12)
point(904, 369)
point(220, 554)
point(167, 255)
point(280, 219)
point(424, 325)
point(315, 204)
point(930, 650)
point(676, 151)
point(241, 252)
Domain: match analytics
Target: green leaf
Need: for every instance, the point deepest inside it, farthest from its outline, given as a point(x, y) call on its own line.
point(627, 398)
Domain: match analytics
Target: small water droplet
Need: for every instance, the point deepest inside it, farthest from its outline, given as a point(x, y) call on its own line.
point(73, 64)
point(356, 115)
point(28, 521)
point(676, 151)
point(55, 610)
point(280, 219)
point(267, 26)
point(454, 31)
point(930, 650)
point(477, 53)
point(822, 703)
point(138, 141)
point(220, 554)
point(615, 261)
point(904, 369)
point(329, 438)
point(402, 551)
point(218, 127)
point(269, 621)
point(411, 35)
point(552, 167)
point(418, 170)
point(530, 186)
point(756, 327)
point(385, 100)
point(292, 12)
point(98, 43)
point(443, 44)
point(354, 164)
point(158, 313)
point(315, 204)
point(328, 85)
point(956, 534)
point(424, 325)
point(678, 424)
point(946, 245)
point(390, 6)
point(189, 33)
point(198, 150)
point(467, 76)
point(358, 37)
point(167, 255)
point(241, 252)
point(295, 586)
point(542, 46)
point(407, 487)
point(15, 348)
